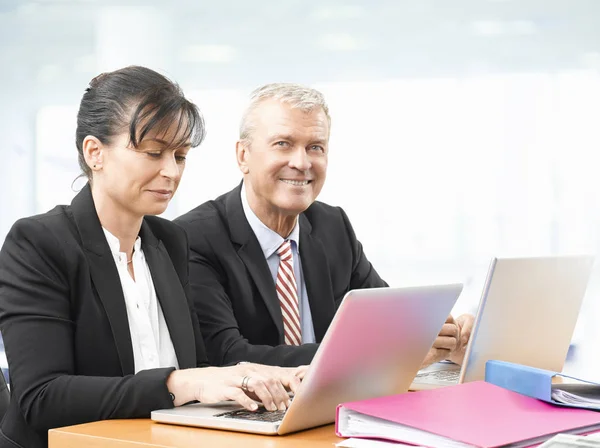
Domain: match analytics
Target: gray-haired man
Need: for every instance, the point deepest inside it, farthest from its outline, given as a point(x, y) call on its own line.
point(269, 264)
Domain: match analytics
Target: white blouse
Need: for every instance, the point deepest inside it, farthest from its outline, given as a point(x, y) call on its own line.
point(152, 345)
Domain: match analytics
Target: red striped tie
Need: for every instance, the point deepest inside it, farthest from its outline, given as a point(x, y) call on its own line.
point(287, 292)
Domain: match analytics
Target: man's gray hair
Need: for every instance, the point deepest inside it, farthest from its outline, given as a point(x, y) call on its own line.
point(296, 95)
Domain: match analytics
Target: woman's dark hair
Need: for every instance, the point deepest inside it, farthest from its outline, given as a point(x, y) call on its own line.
point(139, 99)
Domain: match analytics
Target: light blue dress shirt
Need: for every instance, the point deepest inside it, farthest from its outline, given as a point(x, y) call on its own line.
point(270, 241)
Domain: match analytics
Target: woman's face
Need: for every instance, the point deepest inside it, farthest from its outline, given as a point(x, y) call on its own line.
point(141, 181)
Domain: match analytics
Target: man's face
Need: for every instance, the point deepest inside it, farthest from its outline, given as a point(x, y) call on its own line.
point(285, 163)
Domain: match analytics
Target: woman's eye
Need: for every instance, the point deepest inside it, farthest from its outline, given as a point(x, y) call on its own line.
point(180, 159)
point(154, 155)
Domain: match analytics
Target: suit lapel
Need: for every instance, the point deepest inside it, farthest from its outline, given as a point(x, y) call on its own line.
point(105, 276)
point(315, 269)
point(171, 296)
point(252, 256)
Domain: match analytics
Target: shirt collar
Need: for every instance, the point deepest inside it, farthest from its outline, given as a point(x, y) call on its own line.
point(115, 245)
point(268, 239)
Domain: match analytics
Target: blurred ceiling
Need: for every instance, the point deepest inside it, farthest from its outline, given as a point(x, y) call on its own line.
point(50, 44)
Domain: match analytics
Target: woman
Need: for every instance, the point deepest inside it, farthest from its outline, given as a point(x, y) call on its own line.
point(93, 308)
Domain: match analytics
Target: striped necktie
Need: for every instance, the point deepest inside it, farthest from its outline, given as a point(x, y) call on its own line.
point(287, 292)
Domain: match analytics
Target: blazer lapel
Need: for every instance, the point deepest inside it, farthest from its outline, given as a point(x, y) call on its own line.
point(315, 269)
point(105, 276)
point(252, 256)
point(171, 296)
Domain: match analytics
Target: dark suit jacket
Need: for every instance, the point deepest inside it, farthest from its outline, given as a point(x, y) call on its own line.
point(65, 328)
point(234, 292)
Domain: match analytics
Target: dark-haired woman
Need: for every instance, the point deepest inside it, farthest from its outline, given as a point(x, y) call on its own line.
point(93, 306)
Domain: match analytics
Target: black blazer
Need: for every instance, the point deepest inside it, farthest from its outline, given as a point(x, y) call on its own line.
point(234, 292)
point(65, 328)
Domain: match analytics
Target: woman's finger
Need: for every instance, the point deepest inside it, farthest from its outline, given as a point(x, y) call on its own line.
point(258, 388)
point(278, 392)
point(238, 395)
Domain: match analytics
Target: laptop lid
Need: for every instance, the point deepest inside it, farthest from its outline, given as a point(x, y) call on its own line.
point(373, 347)
point(527, 313)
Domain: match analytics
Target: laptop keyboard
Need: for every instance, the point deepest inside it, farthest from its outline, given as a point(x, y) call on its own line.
point(442, 376)
point(260, 415)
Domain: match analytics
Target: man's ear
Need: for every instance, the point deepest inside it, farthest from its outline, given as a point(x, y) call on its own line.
point(93, 152)
point(242, 152)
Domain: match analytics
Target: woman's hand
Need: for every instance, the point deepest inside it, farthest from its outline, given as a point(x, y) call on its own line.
point(290, 377)
point(300, 371)
point(243, 383)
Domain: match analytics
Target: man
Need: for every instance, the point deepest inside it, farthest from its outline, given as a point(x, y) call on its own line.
point(269, 266)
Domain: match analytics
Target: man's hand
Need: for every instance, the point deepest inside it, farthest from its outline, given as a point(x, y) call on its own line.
point(465, 324)
point(446, 342)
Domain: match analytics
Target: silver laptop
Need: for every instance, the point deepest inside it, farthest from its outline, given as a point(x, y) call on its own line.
point(373, 347)
point(527, 314)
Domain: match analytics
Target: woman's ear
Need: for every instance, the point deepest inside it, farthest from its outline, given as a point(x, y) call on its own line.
point(93, 152)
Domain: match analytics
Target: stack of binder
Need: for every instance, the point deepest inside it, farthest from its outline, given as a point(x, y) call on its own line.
point(542, 384)
point(477, 414)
